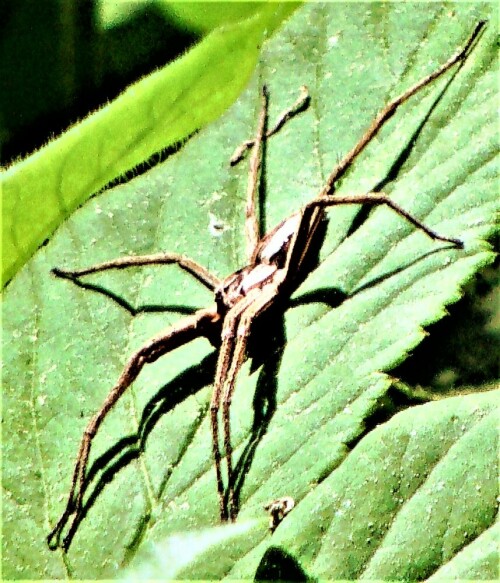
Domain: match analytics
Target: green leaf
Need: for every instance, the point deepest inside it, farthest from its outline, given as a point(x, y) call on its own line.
point(479, 560)
point(318, 380)
point(413, 495)
point(204, 16)
point(38, 193)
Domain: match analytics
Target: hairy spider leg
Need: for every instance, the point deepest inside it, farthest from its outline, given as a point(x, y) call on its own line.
point(313, 214)
point(301, 104)
point(252, 223)
point(192, 267)
point(390, 109)
point(199, 324)
point(229, 328)
point(296, 254)
point(253, 232)
point(234, 341)
point(376, 199)
point(261, 299)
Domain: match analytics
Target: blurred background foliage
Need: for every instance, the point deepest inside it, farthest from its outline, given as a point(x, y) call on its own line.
point(460, 355)
point(60, 60)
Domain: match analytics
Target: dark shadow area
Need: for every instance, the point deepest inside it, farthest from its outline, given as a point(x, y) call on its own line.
point(278, 565)
point(381, 278)
point(459, 355)
point(331, 296)
point(334, 297)
point(462, 349)
point(58, 63)
point(266, 348)
point(392, 402)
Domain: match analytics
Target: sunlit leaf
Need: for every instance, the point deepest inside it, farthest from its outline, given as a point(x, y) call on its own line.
point(318, 384)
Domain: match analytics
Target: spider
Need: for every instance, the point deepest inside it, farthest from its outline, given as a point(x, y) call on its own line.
point(276, 261)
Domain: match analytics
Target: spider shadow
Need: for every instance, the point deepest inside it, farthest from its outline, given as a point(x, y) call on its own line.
point(262, 345)
point(265, 349)
point(333, 297)
point(121, 301)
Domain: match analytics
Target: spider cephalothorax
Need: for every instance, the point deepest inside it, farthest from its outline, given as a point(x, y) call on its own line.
point(268, 260)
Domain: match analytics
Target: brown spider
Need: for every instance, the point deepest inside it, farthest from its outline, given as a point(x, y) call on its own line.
point(275, 262)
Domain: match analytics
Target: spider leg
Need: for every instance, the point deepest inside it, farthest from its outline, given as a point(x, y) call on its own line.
point(195, 269)
point(300, 105)
point(229, 328)
point(199, 324)
point(252, 223)
point(312, 213)
point(389, 110)
point(378, 198)
point(252, 227)
point(261, 302)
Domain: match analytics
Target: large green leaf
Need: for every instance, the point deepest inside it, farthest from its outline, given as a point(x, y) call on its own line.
point(318, 378)
point(40, 192)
